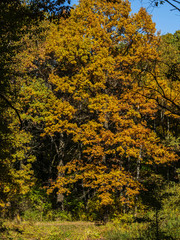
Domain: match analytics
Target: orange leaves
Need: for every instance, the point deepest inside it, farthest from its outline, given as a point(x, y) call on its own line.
point(93, 61)
point(62, 84)
point(96, 176)
point(104, 49)
point(144, 21)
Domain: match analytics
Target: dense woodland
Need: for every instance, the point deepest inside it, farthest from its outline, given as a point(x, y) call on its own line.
point(90, 110)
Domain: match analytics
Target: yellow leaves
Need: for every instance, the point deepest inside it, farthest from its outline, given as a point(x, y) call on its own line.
point(120, 150)
point(6, 189)
point(144, 21)
point(105, 104)
point(62, 84)
point(132, 152)
point(106, 198)
point(90, 92)
point(112, 182)
point(98, 177)
point(68, 43)
point(16, 158)
point(89, 131)
point(162, 156)
point(96, 151)
point(4, 205)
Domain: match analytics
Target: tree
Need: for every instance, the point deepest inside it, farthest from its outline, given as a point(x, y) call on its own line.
point(95, 108)
point(54, 8)
point(16, 156)
point(165, 76)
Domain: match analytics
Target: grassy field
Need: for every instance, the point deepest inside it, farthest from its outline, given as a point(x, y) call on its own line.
point(53, 231)
point(64, 230)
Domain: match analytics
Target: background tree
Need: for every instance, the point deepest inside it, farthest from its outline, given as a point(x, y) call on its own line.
point(15, 171)
point(17, 18)
point(166, 79)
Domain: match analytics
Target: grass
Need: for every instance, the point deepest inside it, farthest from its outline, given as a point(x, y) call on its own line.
point(52, 231)
point(64, 230)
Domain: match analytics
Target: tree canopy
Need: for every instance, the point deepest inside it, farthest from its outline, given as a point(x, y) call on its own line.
point(97, 93)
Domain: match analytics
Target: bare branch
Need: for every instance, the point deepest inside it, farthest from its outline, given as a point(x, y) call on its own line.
point(8, 102)
point(172, 5)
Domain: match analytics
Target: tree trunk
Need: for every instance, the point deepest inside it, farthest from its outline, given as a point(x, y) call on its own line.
point(138, 174)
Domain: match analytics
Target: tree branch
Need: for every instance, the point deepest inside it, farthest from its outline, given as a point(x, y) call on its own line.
point(173, 5)
point(8, 102)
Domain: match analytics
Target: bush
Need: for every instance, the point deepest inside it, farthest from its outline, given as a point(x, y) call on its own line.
point(61, 215)
point(32, 215)
point(35, 205)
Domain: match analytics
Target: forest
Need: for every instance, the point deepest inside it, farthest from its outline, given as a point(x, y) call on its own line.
point(89, 122)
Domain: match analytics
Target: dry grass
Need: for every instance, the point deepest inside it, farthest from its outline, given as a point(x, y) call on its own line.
point(53, 231)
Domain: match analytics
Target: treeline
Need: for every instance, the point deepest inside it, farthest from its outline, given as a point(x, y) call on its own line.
point(90, 107)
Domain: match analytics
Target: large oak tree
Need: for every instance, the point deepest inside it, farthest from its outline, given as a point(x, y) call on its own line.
point(92, 105)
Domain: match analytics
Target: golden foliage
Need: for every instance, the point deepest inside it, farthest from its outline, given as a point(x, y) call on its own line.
point(91, 93)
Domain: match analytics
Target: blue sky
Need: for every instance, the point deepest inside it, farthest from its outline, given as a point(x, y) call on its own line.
point(167, 21)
